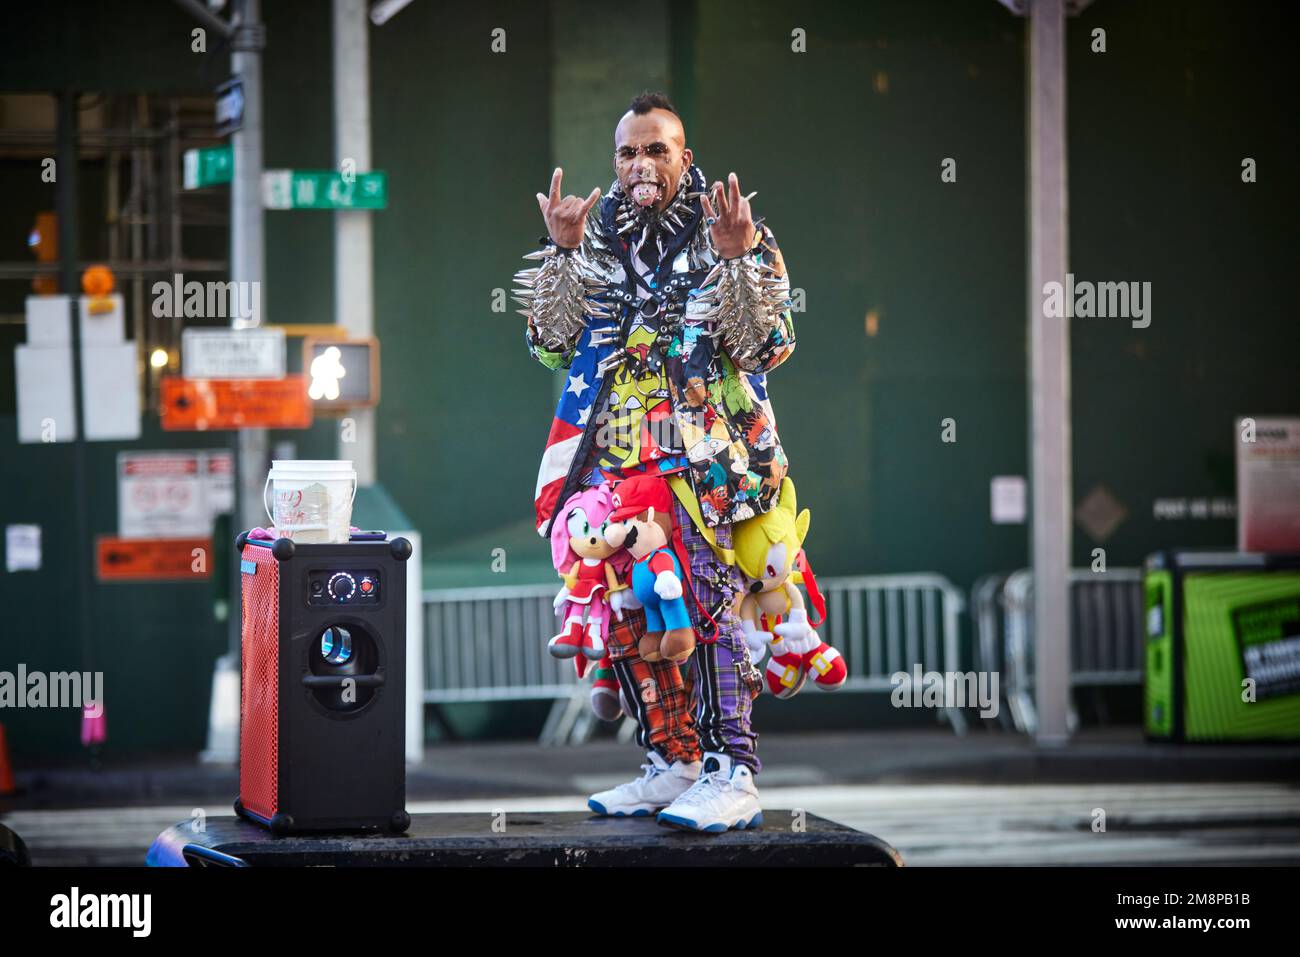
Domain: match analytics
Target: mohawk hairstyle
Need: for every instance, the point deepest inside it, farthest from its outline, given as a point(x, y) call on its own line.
point(648, 101)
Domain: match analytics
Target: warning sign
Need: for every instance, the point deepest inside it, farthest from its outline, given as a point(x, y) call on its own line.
point(203, 404)
point(152, 559)
point(173, 494)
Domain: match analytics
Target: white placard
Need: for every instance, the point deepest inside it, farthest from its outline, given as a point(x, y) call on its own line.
point(47, 321)
point(45, 407)
point(173, 494)
point(233, 353)
point(162, 495)
point(110, 392)
point(22, 548)
point(1268, 485)
point(1007, 499)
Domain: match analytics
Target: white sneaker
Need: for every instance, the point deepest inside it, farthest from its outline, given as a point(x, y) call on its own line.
point(661, 784)
point(724, 797)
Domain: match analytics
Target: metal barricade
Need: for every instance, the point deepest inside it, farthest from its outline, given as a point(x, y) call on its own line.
point(1106, 636)
point(489, 644)
point(989, 624)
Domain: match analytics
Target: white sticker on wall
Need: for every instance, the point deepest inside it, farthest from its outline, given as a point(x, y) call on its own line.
point(1007, 499)
point(22, 548)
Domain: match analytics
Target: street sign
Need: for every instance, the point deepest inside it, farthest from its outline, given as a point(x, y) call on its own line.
point(232, 353)
point(324, 189)
point(208, 166)
point(152, 559)
point(203, 404)
point(230, 106)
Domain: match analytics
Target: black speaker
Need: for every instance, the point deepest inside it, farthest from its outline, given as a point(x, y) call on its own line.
point(323, 696)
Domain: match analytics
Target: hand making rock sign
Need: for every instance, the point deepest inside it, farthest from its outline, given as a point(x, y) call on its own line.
point(565, 218)
point(732, 223)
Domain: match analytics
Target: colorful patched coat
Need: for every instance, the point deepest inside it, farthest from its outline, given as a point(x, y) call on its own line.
point(667, 371)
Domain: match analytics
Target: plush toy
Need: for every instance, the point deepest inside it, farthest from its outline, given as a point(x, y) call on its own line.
point(587, 563)
point(642, 522)
point(769, 551)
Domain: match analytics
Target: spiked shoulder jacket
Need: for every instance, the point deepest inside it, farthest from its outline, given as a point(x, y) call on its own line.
point(667, 349)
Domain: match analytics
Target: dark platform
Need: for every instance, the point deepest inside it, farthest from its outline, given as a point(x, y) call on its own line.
point(570, 839)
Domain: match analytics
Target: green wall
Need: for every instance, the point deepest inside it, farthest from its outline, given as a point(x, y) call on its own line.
point(1158, 126)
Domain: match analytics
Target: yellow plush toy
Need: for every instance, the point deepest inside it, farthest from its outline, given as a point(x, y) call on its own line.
point(769, 551)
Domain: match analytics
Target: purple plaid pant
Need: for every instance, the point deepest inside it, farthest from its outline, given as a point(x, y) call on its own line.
point(725, 681)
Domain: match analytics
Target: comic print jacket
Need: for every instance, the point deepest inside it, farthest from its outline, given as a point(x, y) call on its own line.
point(702, 331)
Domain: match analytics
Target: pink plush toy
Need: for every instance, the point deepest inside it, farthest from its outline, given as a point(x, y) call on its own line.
point(589, 566)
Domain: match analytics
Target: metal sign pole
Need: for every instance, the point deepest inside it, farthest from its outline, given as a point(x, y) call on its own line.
point(84, 551)
point(1049, 370)
point(353, 247)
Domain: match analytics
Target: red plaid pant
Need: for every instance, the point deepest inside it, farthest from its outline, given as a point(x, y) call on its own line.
point(656, 691)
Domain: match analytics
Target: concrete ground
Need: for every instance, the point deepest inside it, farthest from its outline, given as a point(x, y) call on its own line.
point(987, 798)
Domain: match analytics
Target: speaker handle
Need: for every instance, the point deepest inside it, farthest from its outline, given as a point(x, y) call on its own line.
point(336, 681)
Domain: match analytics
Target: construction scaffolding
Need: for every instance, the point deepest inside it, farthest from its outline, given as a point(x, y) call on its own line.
point(149, 219)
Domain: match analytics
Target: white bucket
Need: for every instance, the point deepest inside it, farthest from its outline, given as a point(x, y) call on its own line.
point(311, 499)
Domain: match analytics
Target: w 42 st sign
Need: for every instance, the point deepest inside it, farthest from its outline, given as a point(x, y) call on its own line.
point(324, 189)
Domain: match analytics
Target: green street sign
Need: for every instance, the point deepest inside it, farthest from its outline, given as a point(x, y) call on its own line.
point(208, 167)
point(324, 189)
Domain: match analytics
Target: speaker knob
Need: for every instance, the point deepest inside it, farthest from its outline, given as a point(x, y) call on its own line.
point(342, 586)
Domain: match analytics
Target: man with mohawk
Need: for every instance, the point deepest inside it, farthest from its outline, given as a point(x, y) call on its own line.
point(667, 304)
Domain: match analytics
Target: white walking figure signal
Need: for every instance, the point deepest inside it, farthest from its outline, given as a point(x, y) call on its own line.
point(326, 370)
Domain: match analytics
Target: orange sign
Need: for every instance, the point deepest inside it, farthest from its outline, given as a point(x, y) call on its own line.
point(152, 559)
point(202, 404)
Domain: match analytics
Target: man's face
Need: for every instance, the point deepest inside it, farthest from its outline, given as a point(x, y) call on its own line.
point(650, 156)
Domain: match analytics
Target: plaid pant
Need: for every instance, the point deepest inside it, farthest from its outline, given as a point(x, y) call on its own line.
point(708, 709)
